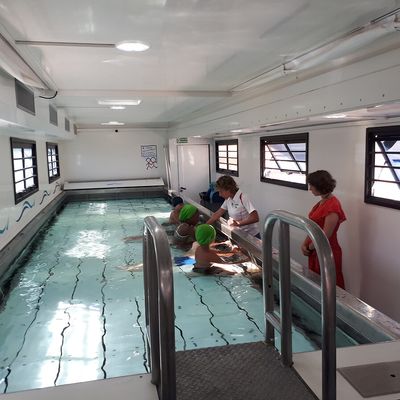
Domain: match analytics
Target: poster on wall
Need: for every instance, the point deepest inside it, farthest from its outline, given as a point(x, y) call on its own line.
point(149, 153)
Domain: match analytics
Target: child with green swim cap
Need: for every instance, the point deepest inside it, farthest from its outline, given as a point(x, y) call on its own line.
point(204, 255)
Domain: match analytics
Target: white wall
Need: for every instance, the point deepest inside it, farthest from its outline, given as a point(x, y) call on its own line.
point(106, 155)
point(369, 238)
point(10, 213)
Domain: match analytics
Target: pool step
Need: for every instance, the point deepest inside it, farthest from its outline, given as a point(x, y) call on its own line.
point(133, 387)
point(236, 372)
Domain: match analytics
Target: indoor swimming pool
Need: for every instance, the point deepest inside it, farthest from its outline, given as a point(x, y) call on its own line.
point(72, 311)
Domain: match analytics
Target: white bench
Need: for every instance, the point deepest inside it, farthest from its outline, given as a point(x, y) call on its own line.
point(113, 184)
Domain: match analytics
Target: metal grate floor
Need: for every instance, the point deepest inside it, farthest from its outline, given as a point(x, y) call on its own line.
point(245, 371)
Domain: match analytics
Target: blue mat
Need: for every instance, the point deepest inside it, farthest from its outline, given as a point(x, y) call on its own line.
point(179, 261)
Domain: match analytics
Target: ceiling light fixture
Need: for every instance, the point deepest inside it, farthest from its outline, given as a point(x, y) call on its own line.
point(117, 107)
point(335, 116)
point(132, 45)
point(113, 123)
point(119, 102)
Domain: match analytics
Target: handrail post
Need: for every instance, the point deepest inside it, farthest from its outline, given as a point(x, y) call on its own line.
point(151, 305)
point(285, 294)
point(328, 289)
point(268, 282)
point(159, 302)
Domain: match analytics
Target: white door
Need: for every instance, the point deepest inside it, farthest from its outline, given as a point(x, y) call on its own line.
point(193, 169)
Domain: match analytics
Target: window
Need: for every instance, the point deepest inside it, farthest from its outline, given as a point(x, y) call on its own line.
point(382, 169)
point(23, 153)
point(284, 160)
point(227, 152)
point(53, 164)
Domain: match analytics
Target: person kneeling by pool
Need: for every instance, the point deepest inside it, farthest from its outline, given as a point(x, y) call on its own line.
point(188, 218)
point(205, 256)
point(177, 204)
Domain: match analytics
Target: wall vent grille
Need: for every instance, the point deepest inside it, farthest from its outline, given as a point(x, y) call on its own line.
point(25, 98)
point(53, 115)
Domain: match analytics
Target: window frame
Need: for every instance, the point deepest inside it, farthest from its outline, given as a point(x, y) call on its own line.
point(227, 143)
point(283, 139)
point(54, 146)
point(23, 143)
point(372, 134)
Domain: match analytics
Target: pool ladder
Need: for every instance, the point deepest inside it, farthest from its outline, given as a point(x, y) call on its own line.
point(159, 300)
point(159, 308)
point(328, 289)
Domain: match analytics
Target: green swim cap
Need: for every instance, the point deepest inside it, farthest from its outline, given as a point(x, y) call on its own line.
point(187, 212)
point(205, 234)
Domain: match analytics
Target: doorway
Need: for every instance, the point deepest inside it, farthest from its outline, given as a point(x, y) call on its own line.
point(193, 169)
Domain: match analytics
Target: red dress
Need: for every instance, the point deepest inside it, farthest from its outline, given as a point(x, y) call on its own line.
point(318, 214)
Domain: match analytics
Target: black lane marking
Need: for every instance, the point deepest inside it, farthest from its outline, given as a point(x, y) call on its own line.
point(68, 322)
point(37, 308)
point(206, 305)
point(250, 318)
point(103, 315)
point(145, 360)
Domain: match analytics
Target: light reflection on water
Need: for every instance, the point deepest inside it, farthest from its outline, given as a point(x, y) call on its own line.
point(90, 243)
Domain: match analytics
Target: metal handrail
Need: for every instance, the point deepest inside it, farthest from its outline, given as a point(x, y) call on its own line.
point(159, 306)
point(328, 283)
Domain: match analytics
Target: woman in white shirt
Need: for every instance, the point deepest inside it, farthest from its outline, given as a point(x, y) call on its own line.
point(240, 209)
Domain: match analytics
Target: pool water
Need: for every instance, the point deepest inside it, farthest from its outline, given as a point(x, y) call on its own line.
point(73, 312)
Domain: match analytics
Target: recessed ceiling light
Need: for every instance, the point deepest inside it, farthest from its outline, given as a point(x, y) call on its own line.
point(236, 131)
point(197, 136)
point(135, 102)
point(335, 116)
point(113, 123)
point(117, 107)
point(132, 45)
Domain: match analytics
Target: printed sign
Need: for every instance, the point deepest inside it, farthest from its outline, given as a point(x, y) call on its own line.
point(149, 150)
point(149, 153)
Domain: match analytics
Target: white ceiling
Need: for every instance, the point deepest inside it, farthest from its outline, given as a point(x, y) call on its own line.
point(200, 49)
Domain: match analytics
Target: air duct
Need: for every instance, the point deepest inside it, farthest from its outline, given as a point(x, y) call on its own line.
point(12, 63)
point(346, 45)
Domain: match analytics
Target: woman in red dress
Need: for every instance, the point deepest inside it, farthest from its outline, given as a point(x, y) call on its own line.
point(328, 214)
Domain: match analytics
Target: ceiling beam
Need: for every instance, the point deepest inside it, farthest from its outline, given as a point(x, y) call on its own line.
point(125, 94)
point(68, 44)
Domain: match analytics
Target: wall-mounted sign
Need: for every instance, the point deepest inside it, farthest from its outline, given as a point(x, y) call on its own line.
point(182, 140)
point(149, 153)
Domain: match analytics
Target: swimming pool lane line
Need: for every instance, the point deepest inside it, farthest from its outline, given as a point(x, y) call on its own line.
point(103, 315)
point(189, 278)
point(181, 334)
point(250, 318)
point(68, 321)
point(139, 314)
point(37, 308)
point(130, 259)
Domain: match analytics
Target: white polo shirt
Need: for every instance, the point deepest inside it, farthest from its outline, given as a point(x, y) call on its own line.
point(239, 207)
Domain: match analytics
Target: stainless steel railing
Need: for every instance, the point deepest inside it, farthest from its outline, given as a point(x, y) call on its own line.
point(159, 305)
point(328, 283)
